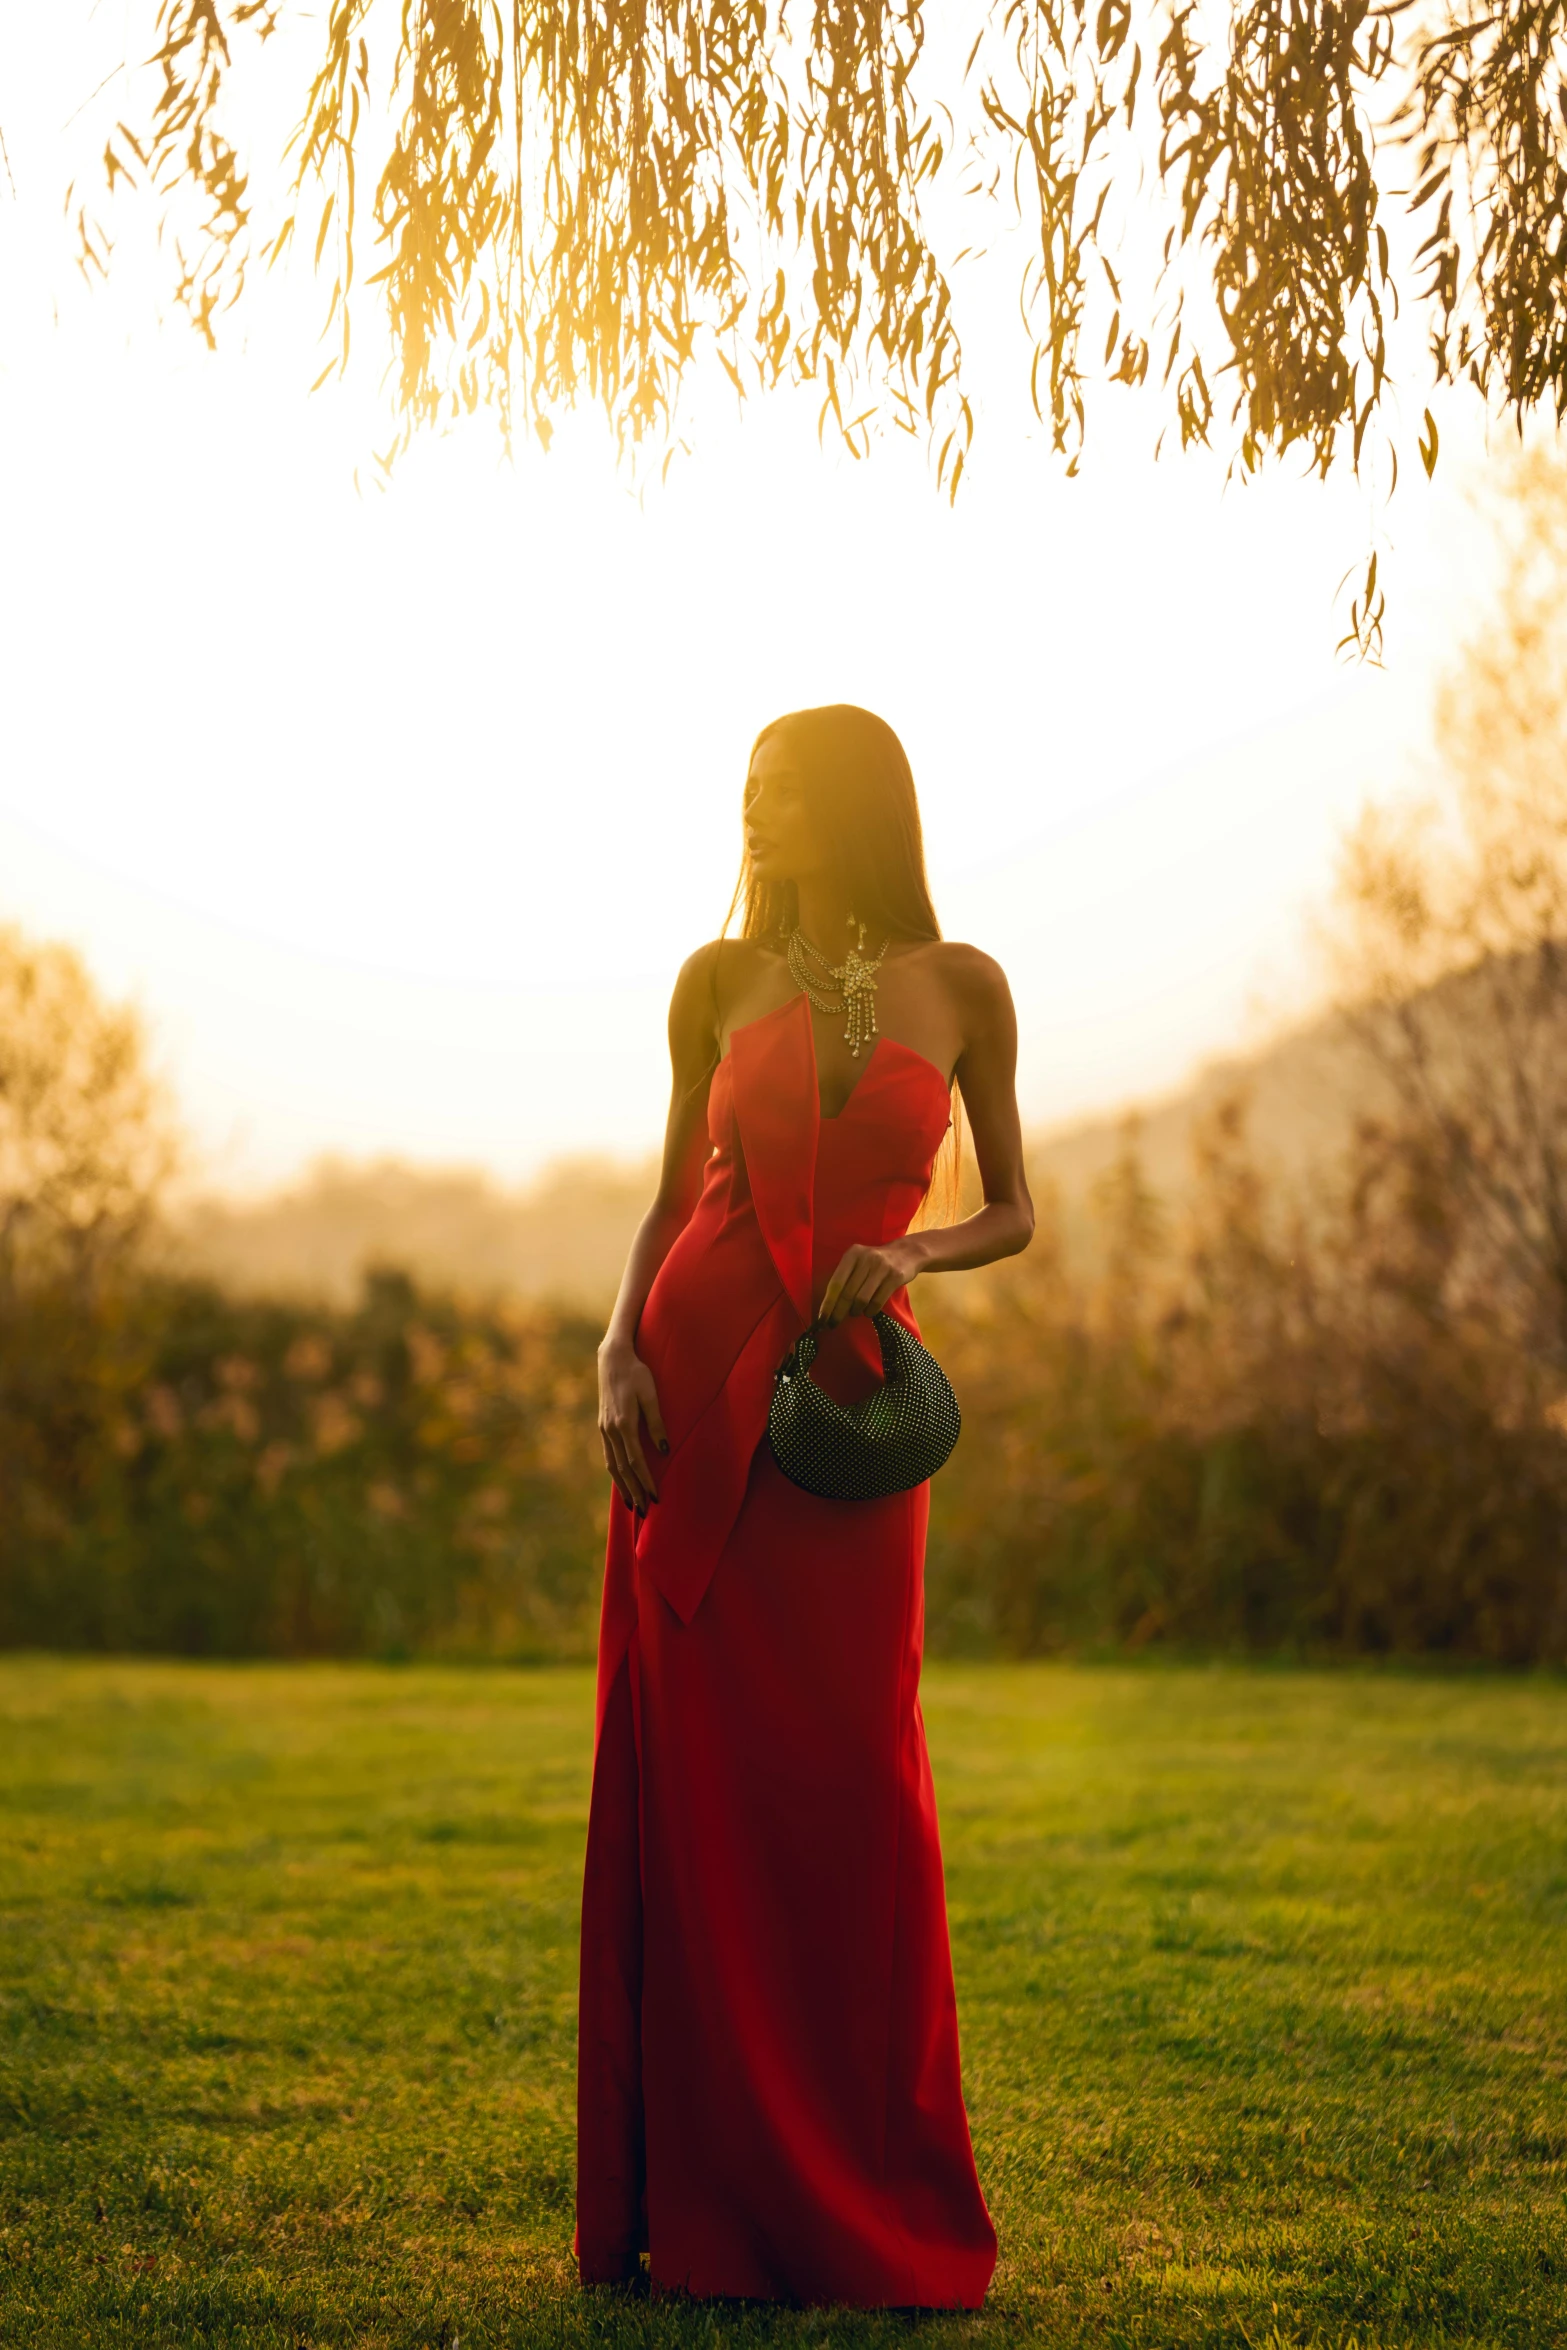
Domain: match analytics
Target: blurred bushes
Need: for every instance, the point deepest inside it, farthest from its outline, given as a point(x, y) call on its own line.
point(1284, 1428)
point(191, 1474)
point(1266, 1429)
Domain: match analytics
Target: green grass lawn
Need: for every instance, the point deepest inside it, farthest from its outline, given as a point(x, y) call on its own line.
point(1261, 1978)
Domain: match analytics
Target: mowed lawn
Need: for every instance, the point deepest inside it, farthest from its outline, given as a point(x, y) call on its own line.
point(1262, 1982)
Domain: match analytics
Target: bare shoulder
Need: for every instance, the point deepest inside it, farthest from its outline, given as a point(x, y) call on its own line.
point(713, 979)
point(974, 980)
point(722, 966)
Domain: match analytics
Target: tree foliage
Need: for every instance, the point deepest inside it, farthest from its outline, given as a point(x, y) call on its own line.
point(84, 1141)
point(1453, 939)
point(580, 198)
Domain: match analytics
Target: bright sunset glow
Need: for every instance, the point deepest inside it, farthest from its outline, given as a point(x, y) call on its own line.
point(398, 812)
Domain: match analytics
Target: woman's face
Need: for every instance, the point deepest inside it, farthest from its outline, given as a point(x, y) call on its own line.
point(780, 837)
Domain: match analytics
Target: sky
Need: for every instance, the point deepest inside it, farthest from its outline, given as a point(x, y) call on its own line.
point(396, 813)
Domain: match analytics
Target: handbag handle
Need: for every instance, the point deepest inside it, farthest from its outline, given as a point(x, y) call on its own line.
point(803, 1353)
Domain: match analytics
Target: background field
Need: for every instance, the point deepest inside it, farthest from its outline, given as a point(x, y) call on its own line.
point(1261, 1976)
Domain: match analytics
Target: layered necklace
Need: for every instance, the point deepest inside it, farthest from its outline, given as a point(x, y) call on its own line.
point(854, 978)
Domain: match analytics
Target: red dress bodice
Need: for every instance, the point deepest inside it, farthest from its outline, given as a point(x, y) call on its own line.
point(786, 1192)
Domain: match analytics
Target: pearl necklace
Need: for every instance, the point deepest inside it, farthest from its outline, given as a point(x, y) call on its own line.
point(854, 978)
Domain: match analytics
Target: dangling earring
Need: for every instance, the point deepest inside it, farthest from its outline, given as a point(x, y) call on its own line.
point(860, 927)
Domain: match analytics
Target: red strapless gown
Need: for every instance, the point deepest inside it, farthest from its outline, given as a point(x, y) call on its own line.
point(768, 2090)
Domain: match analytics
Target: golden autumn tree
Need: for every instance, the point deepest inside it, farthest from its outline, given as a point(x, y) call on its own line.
point(1453, 936)
point(84, 1137)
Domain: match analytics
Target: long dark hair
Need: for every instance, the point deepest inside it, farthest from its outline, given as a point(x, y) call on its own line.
point(860, 791)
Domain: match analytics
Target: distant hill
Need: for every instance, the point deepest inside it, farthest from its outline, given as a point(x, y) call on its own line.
point(565, 1237)
point(1302, 1094)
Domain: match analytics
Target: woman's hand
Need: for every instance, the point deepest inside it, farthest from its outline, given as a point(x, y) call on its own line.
point(627, 1397)
point(867, 1277)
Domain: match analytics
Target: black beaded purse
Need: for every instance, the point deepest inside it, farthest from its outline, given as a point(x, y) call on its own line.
point(892, 1439)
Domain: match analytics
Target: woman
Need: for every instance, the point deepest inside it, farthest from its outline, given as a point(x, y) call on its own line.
point(768, 2090)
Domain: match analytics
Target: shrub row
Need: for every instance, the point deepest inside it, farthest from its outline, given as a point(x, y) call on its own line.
point(191, 1474)
point(1245, 1450)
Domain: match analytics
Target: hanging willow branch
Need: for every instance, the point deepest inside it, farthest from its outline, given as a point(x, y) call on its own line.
point(581, 199)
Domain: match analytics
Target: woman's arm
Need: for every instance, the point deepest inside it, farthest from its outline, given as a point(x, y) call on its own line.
point(627, 1395)
point(987, 1077)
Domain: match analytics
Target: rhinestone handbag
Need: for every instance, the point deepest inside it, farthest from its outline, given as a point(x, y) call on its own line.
point(892, 1439)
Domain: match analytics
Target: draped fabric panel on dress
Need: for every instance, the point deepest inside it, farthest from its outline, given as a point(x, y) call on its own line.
point(769, 2100)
